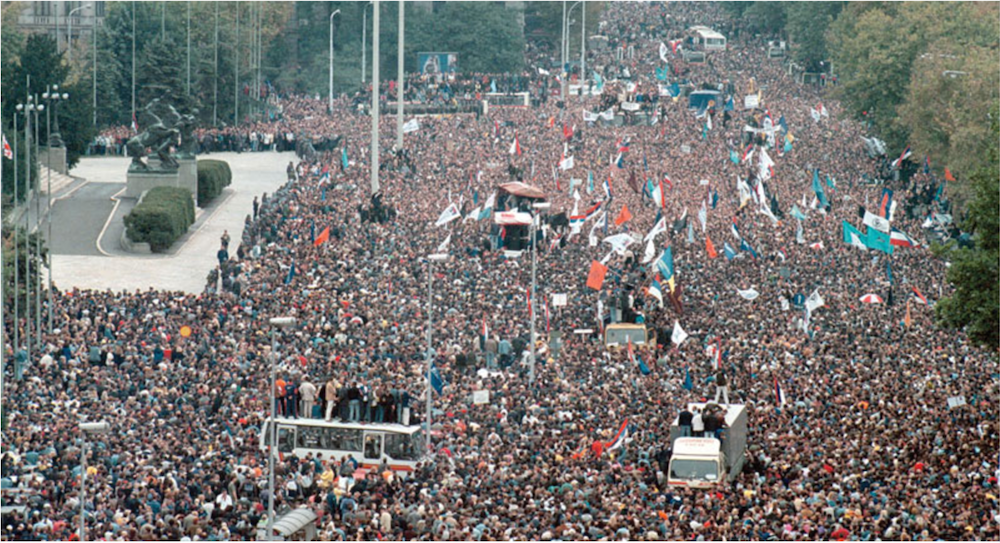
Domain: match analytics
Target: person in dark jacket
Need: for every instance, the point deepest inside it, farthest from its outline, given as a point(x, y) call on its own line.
point(684, 421)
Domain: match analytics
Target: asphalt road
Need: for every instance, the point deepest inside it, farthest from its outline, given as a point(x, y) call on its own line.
point(77, 221)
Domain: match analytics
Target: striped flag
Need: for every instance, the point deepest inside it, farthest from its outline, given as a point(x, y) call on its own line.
point(7, 153)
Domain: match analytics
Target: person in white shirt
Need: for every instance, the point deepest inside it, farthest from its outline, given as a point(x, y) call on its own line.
point(697, 424)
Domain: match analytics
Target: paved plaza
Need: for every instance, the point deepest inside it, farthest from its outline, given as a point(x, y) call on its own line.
point(83, 257)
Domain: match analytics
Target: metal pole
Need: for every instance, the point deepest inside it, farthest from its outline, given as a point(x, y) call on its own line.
point(236, 69)
point(133, 59)
point(163, 21)
point(48, 176)
point(375, 84)
point(69, 40)
point(27, 223)
point(400, 82)
point(531, 308)
point(364, 42)
point(189, 48)
point(83, 492)
point(17, 258)
point(583, 48)
point(94, 31)
point(215, 84)
point(330, 93)
point(38, 242)
point(274, 444)
point(430, 334)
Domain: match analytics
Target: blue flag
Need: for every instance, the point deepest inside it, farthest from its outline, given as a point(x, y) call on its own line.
point(730, 106)
point(291, 274)
point(643, 368)
point(598, 81)
point(796, 213)
point(729, 251)
point(645, 165)
point(437, 382)
point(493, 85)
point(788, 146)
point(818, 189)
point(744, 246)
point(675, 90)
point(715, 198)
point(343, 156)
point(322, 194)
point(734, 156)
point(688, 385)
point(888, 271)
point(661, 73)
point(783, 124)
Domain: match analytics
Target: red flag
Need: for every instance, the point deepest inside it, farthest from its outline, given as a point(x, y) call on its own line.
point(948, 176)
point(7, 153)
point(322, 237)
point(567, 131)
point(596, 278)
point(710, 247)
point(624, 216)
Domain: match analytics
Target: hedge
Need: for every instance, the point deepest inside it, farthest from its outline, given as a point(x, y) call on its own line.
point(213, 176)
point(164, 215)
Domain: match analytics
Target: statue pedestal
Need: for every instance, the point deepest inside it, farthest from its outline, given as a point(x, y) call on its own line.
point(184, 176)
point(53, 158)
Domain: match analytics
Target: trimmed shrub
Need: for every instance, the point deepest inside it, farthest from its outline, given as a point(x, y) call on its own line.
point(164, 215)
point(213, 176)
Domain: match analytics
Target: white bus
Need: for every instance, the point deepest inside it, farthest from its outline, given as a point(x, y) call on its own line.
point(399, 446)
point(708, 39)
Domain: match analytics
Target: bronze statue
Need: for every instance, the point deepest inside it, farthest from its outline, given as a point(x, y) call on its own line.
point(156, 136)
point(185, 124)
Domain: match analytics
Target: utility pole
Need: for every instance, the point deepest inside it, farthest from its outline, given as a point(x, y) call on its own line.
point(215, 85)
point(330, 88)
point(236, 69)
point(163, 20)
point(399, 77)
point(375, 85)
point(583, 49)
point(133, 62)
point(189, 49)
point(94, 30)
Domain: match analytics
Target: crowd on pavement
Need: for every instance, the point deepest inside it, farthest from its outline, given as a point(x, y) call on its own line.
point(861, 442)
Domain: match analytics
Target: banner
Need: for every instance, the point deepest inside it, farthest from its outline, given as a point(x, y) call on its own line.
point(411, 126)
point(751, 101)
point(876, 222)
point(437, 63)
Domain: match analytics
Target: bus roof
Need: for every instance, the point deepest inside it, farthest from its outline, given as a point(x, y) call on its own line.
point(391, 428)
point(706, 32)
point(732, 410)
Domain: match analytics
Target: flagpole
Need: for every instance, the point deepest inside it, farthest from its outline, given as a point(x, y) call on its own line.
point(375, 104)
point(399, 77)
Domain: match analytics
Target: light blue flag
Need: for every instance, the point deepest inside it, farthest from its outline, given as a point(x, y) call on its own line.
point(788, 146)
point(729, 252)
point(734, 156)
point(690, 239)
point(343, 156)
point(493, 85)
point(818, 188)
point(797, 213)
point(876, 239)
point(598, 81)
point(590, 182)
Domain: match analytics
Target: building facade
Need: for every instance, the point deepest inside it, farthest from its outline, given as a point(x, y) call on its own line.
point(53, 18)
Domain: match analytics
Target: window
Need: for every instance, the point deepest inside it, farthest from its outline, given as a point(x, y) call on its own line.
point(99, 9)
point(373, 446)
point(342, 439)
point(43, 9)
point(69, 6)
point(310, 437)
point(286, 439)
point(402, 446)
point(704, 470)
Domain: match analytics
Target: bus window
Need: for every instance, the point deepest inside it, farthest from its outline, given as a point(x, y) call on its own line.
point(417, 443)
point(343, 439)
point(286, 439)
point(373, 446)
point(401, 447)
point(309, 437)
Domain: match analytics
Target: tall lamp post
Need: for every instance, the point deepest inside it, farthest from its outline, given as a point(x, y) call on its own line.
point(583, 48)
point(52, 99)
point(431, 259)
point(565, 45)
point(534, 251)
point(330, 95)
point(88, 429)
point(375, 104)
point(277, 323)
point(69, 35)
point(364, 39)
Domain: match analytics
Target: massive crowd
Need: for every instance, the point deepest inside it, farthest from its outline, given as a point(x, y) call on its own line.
point(865, 447)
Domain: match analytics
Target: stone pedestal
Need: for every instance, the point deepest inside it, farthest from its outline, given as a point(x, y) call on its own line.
point(54, 158)
point(185, 176)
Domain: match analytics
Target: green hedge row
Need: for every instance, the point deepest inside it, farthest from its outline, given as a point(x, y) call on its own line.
point(163, 216)
point(213, 176)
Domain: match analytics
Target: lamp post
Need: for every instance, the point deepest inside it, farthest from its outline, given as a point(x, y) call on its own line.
point(583, 48)
point(88, 429)
point(431, 259)
point(330, 95)
point(69, 35)
point(17, 259)
point(534, 251)
point(399, 76)
point(277, 323)
point(94, 53)
point(375, 104)
point(364, 40)
point(52, 98)
point(565, 44)
point(38, 236)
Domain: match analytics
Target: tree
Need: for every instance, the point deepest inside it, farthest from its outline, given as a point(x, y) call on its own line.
point(975, 272)
point(766, 17)
point(806, 25)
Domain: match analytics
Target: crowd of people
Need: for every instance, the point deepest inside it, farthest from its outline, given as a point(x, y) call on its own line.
point(854, 431)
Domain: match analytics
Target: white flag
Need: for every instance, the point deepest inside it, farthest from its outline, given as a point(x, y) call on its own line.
point(814, 301)
point(443, 248)
point(473, 215)
point(679, 335)
point(856, 242)
point(876, 222)
point(703, 215)
point(619, 242)
point(450, 213)
point(650, 253)
point(748, 294)
point(411, 126)
point(659, 227)
point(566, 163)
point(745, 193)
point(589, 117)
point(784, 303)
point(663, 52)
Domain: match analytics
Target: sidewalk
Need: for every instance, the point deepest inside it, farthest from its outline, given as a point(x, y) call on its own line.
point(186, 266)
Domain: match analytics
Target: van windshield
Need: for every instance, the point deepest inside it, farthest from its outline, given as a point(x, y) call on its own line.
point(704, 470)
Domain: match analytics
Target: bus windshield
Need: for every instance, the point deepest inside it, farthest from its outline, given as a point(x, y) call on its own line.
point(703, 470)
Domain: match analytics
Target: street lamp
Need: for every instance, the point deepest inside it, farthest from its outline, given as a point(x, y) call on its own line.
point(330, 97)
point(88, 429)
point(277, 323)
point(69, 36)
point(364, 40)
point(565, 49)
point(53, 98)
point(534, 252)
point(31, 108)
point(431, 259)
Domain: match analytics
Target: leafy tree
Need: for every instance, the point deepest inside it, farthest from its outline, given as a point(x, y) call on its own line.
point(806, 26)
point(8, 165)
point(543, 24)
point(767, 17)
point(975, 272)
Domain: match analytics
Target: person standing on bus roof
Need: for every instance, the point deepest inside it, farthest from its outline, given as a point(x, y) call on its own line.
point(279, 396)
point(329, 396)
point(307, 391)
point(291, 399)
point(354, 403)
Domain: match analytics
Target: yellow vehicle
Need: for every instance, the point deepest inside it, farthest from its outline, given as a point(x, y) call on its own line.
point(618, 335)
